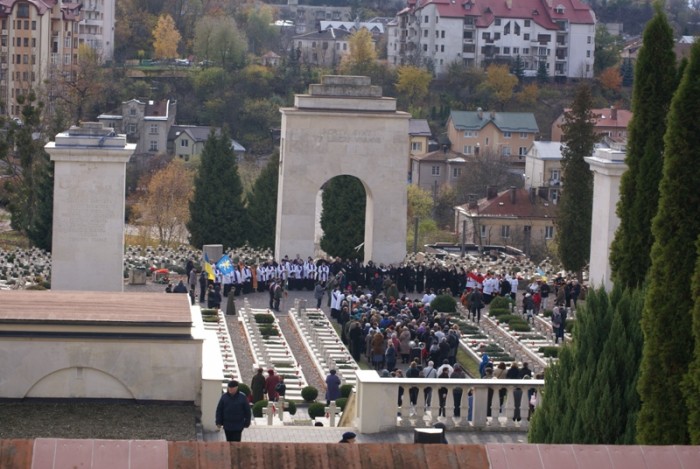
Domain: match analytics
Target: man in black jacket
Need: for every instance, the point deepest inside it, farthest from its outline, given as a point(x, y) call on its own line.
point(233, 412)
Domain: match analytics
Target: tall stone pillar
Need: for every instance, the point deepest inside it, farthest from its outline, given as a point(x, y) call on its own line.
point(607, 166)
point(88, 211)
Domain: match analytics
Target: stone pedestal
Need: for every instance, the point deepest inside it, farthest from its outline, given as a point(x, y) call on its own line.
point(607, 166)
point(343, 127)
point(88, 215)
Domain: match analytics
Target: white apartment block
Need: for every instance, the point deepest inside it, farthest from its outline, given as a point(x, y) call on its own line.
point(558, 33)
point(37, 37)
point(97, 27)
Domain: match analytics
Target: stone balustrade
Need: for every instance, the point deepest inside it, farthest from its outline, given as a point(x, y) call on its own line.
point(385, 404)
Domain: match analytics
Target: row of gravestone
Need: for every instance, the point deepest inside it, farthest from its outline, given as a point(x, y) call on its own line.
point(228, 356)
point(271, 350)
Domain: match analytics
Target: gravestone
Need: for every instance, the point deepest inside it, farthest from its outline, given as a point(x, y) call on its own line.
point(88, 215)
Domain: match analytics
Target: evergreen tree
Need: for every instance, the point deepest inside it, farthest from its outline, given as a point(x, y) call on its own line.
point(576, 202)
point(343, 217)
point(518, 68)
point(262, 206)
point(666, 319)
point(30, 172)
point(691, 382)
point(542, 74)
point(627, 72)
point(217, 215)
point(655, 82)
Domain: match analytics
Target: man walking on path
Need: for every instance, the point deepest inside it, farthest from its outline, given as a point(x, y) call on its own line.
point(233, 412)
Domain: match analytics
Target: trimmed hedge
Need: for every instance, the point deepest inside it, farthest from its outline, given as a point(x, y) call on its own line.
point(496, 312)
point(500, 302)
point(444, 304)
point(264, 318)
point(291, 407)
point(317, 409)
point(342, 402)
point(242, 387)
point(258, 407)
point(309, 394)
point(346, 390)
point(268, 330)
point(549, 351)
point(519, 326)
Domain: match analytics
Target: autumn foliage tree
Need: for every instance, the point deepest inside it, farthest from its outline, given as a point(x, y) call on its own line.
point(362, 58)
point(611, 79)
point(412, 85)
point(501, 83)
point(164, 207)
point(165, 38)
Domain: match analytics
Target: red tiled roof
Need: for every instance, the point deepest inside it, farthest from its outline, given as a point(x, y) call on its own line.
point(503, 206)
point(159, 454)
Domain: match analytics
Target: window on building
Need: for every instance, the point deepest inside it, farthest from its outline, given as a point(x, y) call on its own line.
point(486, 36)
point(417, 146)
point(555, 175)
point(33, 42)
point(442, 48)
point(507, 134)
point(184, 143)
point(468, 150)
point(435, 170)
point(505, 151)
point(588, 67)
point(589, 40)
point(482, 230)
point(498, 21)
point(153, 146)
point(487, 141)
point(325, 45)
point(23, 10)
point(588, 53)
point(425, 47)
point(425, 33)
point(26, 42)
point(526, 51)
point(66, 59)
point(18, 24)
point(496, 36)
point(456, 172)
point(131, 129)
point(522, 151)
point(548, 232)
point(153, 129)
point(506, 50)
point(468, 35)
point(25, 59)
point(442, 34)
point(526, 36)
point(33, 59)
point(33, 25)
point(425, 19)
point(505, 231)
point(527, 23)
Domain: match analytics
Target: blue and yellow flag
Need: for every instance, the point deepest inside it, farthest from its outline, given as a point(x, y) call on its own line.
point(225, 265)
point(208, 268)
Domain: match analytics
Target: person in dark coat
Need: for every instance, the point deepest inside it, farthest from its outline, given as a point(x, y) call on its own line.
point(203, 281)
point(332, 387)
point(233, 412)
point(257, 384)
point(213, 297)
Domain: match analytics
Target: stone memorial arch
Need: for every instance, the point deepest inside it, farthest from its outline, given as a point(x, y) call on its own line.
point(343, 126)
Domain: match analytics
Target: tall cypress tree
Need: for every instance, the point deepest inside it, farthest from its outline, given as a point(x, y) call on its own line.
point(262, 206)
point(217, 214)
point(666, 319)
point(691, 382)
point(654, 84)
point(576, 202)
point(343, 217)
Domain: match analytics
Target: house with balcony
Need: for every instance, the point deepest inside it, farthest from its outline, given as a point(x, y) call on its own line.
point(543, 169)
point(560, 34)
point(514, 217)
point(506, 134)
point(145, 122)
point(610, 123)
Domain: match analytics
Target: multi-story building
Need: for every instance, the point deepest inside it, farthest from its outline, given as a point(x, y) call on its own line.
point(37, 37)
point(431, 170)
point(97, 27)
point(543, 169)
point(307, 18)
point(146, 123)
point(560, 34)
point(508, 134)
point(322, 48)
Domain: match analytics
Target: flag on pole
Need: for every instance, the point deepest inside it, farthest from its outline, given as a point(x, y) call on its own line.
point(208, 268)
point(225, 265)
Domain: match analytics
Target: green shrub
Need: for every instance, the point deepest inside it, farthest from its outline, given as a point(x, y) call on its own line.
point(468, 329)
point(519, 327)
point(258, 407)
point(508, 318)
point(342, 402)
point(569, 326)
point(547, 313)
point(492, 348)
point(346, 390)
point(242, 387)
point(309, 394)
point(209, 311)
point(210, 318)
point(268, 330)
point(291, 407)
point(264, 318)
point(444, 304)
point(38, 286)
point(317, 409)
point(500, 302)
point(549, 351)
point(496, 312)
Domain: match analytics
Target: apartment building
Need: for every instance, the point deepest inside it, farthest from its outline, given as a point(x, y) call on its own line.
point(145, 122)
point(609, 122)
point(558, 33)
point(96, 29)
point(323, 48)
point(37, 37)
